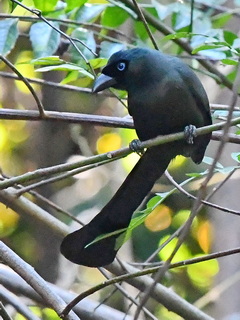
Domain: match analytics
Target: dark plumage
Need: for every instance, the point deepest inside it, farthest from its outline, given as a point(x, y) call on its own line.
point(164, 96)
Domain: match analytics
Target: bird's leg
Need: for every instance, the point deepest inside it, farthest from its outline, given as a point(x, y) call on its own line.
point(136, 146)
point(190, 133)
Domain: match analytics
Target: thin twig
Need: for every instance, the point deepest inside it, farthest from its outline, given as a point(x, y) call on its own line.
point(34, 280)
point(70, 39)
point(28, 85)
point(142, 18)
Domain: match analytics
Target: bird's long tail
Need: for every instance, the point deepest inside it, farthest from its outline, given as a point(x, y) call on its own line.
point(118, 212)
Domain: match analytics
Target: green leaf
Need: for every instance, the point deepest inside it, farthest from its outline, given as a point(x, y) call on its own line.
point(98, 62)
point(219, 20)
point(207, 47)
point(105, 235)
point(140, 29)
point(71, 76)
point(230, 62)
point(89, 12)
point(236, 156)
point(86, 37)
point(113, 17)
point(45, 40)
point(66, 67)
point(8, 35)
point(45, 5)
point(176, 35)
point(229, 36)
point(72, 4)
point(52, 60)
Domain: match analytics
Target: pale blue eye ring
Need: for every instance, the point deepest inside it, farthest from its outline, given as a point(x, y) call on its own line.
point(121, 66)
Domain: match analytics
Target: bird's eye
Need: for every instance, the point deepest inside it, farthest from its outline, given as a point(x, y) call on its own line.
point(121, 66)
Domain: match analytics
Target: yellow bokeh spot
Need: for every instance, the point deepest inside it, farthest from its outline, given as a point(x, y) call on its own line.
point(26, 69)
point(3, 137)
point(8, 220)
point(180, 218)
point(204, 236)
point(177, 162)
point(109, 142)
point(159, 219)
point(202, 273)
point(130, 161)
point(183, 252)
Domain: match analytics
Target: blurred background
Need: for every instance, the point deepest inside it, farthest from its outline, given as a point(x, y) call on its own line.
point(25, 146)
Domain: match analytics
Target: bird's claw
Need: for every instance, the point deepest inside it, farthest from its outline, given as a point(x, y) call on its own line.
point(190, 133)
point(136, 146)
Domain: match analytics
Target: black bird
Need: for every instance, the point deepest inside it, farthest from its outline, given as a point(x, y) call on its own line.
point(164, 96)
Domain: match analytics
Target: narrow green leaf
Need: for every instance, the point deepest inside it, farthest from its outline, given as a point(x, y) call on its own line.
point(104, 236)
point(207, 47)
point(8, 35)
point(230, 62)
point(66, 67)
point(52, 60)
point(219, 20)
point(45, 40)
point(176, 35)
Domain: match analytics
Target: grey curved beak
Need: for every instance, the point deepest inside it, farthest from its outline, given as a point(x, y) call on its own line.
point(103, 82)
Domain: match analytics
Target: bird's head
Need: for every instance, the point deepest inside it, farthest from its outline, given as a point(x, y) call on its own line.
point(123, 67)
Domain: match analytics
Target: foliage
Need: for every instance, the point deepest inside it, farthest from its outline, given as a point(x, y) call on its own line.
point(74, 39)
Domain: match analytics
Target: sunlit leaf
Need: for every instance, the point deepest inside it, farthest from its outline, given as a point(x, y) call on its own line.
point(66, 67)
point(72, 4)
point(51, 60)
point(219, 20)
point(113, 17)
point(45, 6)
point(98, 62)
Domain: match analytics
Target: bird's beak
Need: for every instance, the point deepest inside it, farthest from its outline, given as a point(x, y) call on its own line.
point(103, 82)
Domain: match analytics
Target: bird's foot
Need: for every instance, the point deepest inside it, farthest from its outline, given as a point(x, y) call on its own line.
point(190, 133)
point(136, 146)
